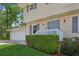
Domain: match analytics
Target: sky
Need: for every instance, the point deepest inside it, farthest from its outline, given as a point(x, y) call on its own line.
point(1, 7)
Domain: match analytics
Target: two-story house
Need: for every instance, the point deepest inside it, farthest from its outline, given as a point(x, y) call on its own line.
point(42, 16)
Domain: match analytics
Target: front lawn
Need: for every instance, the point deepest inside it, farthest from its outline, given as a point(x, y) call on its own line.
point(18, 50)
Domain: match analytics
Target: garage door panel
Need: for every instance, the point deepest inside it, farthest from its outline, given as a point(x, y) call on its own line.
point(18, 35)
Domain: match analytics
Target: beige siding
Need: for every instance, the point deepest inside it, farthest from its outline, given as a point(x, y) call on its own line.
point(66, 26)
point(28, 29)
point(48, 10)
point(43, 12)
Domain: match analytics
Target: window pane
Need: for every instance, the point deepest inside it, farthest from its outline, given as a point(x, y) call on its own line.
point(35, 5)
point(36, 28)
point(31, 6)
point(75, 24)
point(54, 24)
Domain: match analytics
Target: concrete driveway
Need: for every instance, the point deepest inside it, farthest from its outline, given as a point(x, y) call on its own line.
point(4, 42)
point(11, 41)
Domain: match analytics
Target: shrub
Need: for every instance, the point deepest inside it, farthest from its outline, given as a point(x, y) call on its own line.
point(46, 43)
point(70, 47)
point(5, 36)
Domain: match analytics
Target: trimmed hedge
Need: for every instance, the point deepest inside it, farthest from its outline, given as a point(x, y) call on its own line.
point(45, 43)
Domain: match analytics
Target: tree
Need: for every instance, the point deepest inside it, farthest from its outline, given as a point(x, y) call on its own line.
point(3, 29)
point(11, 14)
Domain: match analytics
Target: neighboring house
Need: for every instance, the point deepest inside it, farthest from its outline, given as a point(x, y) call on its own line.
point(42, 16)
point(17, 34)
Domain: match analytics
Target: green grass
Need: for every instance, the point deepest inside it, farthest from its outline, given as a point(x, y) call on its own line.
point(19, 50)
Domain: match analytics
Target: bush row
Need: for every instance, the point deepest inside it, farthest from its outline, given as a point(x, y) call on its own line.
point(70, 47)
point(45, 43)
point(50, 44)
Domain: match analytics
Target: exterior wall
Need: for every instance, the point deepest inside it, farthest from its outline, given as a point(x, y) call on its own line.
point(27, 29)
point(66, 26)
point(43, 10)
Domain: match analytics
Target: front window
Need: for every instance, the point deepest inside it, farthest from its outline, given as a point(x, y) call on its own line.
point(54, 24)
point(35, 28)
point(75, 24)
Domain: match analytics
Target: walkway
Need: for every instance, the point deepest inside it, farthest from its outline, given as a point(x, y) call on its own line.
point(11, 41)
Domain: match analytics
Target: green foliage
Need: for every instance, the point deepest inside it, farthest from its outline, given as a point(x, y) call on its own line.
point(5, 36)
point(70, 47)
point(45, 43)
point(11, 14)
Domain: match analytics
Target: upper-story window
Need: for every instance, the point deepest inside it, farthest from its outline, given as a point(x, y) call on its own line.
point(31, 7)
point(46, 3)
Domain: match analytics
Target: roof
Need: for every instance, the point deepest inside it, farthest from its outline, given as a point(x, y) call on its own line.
point(16, 29)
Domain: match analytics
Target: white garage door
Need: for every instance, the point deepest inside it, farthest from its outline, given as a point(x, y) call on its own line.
point(18, 35)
